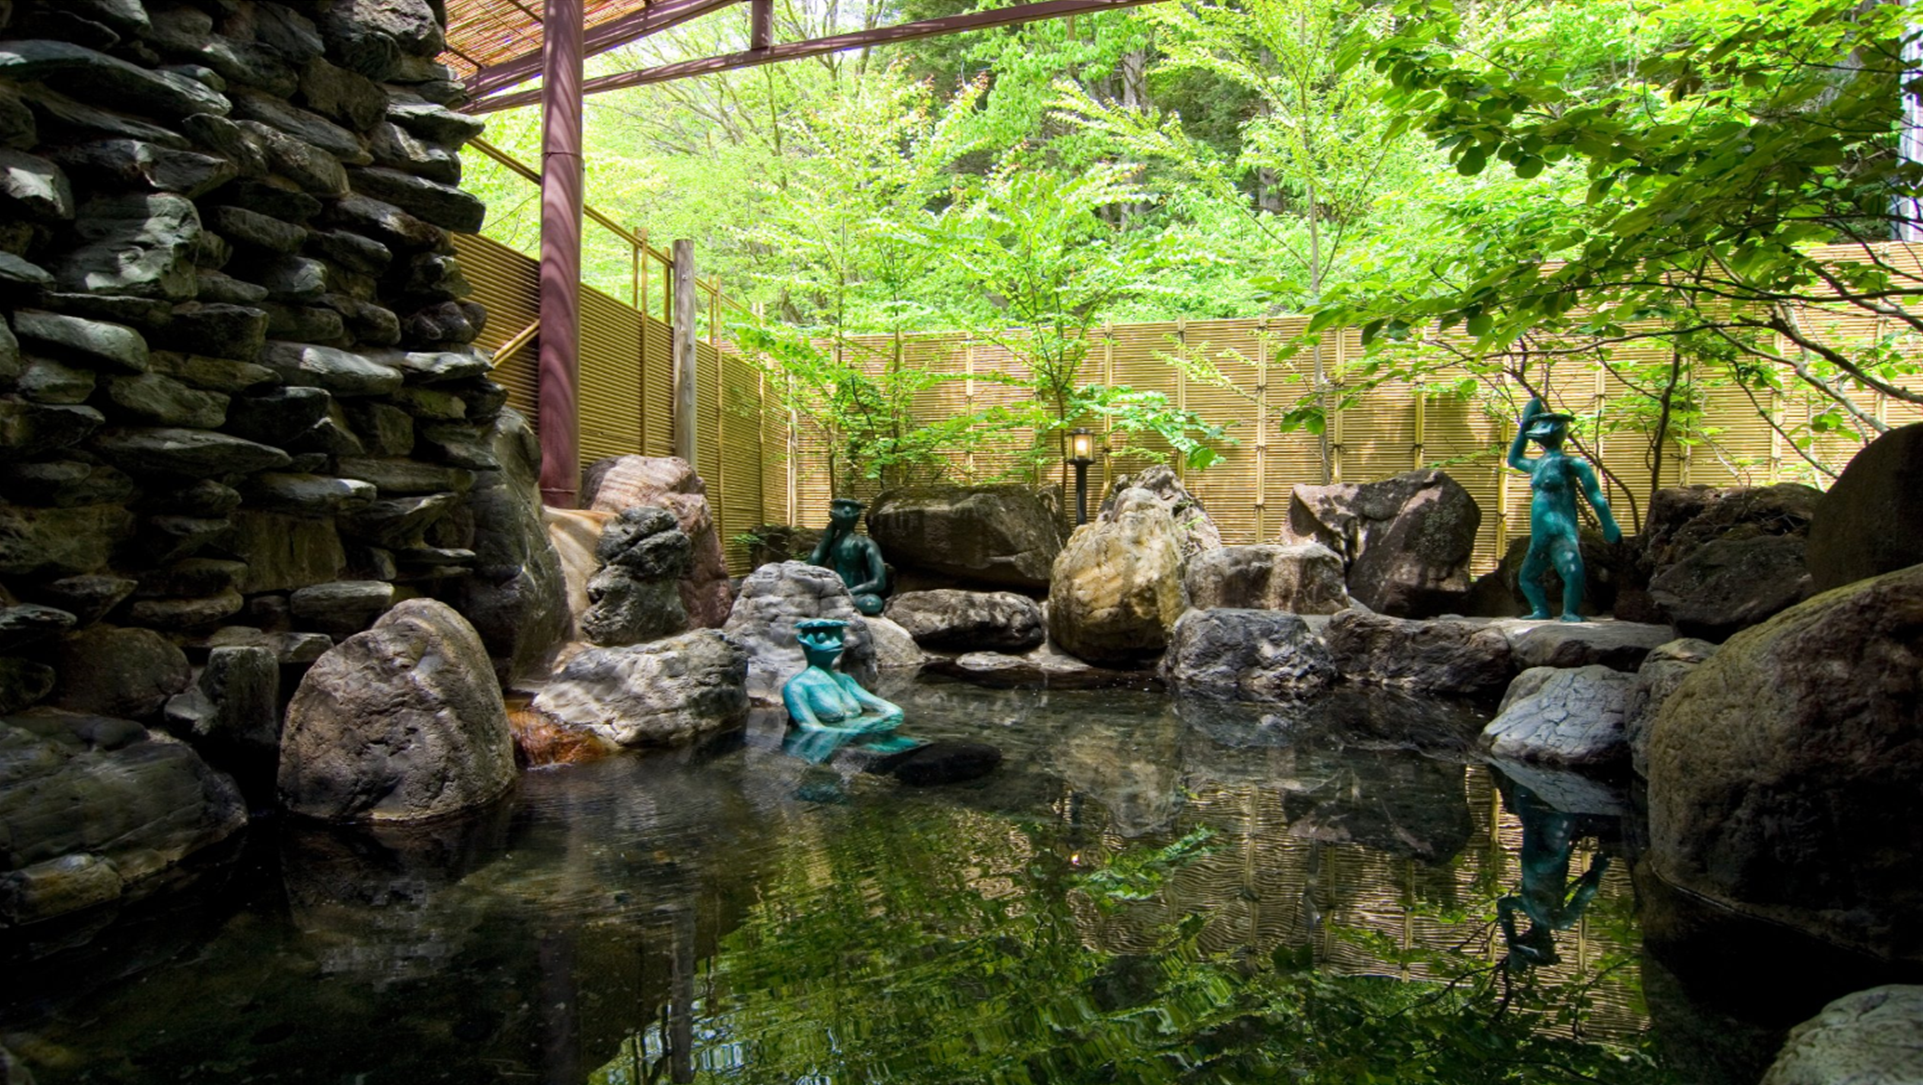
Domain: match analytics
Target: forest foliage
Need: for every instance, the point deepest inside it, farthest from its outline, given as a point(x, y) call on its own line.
point(1486, 188)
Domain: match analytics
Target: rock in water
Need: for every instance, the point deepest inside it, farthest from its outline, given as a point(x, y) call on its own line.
point(1871, 522)
point(668, 482)
point(1571, 718)
point(1303, 579)
point(1777, 770)
point(991, 536)
point(635, 595)
point(775, 597)
point(398, 723)
point(947, 761)
point(1867, 1038)
point(1116, 590)
point(948, 619)
point(1246, 655)
point(1406, 540)
point(652, 694)
point(130, 805)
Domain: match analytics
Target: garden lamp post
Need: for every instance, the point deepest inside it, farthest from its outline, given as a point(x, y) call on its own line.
point(1081, 453)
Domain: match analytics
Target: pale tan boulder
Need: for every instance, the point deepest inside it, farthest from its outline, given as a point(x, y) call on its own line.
point(1116, 589)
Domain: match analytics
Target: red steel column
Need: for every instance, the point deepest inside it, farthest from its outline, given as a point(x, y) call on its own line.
point(561, 184)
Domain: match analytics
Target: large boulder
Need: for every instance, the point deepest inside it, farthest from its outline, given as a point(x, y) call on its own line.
point(1571, 718)
point(1116, 590)
point(517, 597)
point(1871, 522)
point(651, 694)
point(952, 620)
point(1684, 519)
point(1246, 655)
point(1307, 578)
point(1732, 583)
point(1462, 656)
point(1193, 527)
point(668, 482)
point(635, 596)
point(1406, 541)
point(1780, 769)
point(399, 723)
point(109, 671)
point(1867, 1038)
point(773, 598)
point(90, 805)
point(992, 536)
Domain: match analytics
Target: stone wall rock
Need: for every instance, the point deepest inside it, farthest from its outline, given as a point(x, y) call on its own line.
point(1775, 765)
point(976, 536)
point(662, 692)
point(402, 722)
point(517, 597)
point(1116, 589)
point(772, 599)
point(1306, 578)
point(1406, 541)
point(668, 482)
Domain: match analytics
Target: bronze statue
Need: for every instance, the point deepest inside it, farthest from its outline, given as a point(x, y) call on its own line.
point(854, 558)
point(821, 698)
point(1554, 479)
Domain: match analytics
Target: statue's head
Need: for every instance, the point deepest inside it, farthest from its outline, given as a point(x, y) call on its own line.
point(1548, 430)
point(820, 640)
point(844, 511)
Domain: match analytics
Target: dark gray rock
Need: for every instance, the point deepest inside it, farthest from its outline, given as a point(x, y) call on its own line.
point(370, 325)
point(285, 552)
point(25, 624)
point(310, 128)
point(23, 682)
point(1871, 522)
point(1307, 578)
point(138, 245)
point(247, 227)
point(243, 64)
point(398, 523)
point(30, 428)
point(177, 451)
point(647, 542)
point(392, 476)
point(111, 671)
point(442, 205)
point(1618, 645)
point(107, 80)
point(343, 607)
point(169, 538)
point(231, 716)
point(1661, 672)
point(385, 223)
point(1732, 583)
point(66, 483)
point(1774, 766)
point(371, 36)
point(108, 347)
point(1246, 655)
point(627, 609)
point(34, 188)
point(214, 374)
point(153, 400)
point(397, 148)
point(307, 495)
point(77, 120)
point(990, 535)
point(1042, 668)
point(1406, 540)
point(338, 371)
point(277, 412)
point(356, 253)
point(348, 97)
point(314, 170)
point(44, 380)
point(229, 141)
point(178, 614)
point(944, 761)
point(88, 598)
point(289, 31)
point(138, 164)
point(37, 542)
point(385, 430)
point(1683, 520)
point(1461, 657)
point(399, 723)
point(964, 621)
point(663, 692)
point(432, 122)
point(517, 598)
point(17, 127)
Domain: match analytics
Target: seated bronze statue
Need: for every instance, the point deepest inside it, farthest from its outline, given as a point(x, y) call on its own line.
point(821, 698)
point(854, 558)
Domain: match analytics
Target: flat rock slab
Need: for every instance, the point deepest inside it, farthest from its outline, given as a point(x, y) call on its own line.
point(1620, 646)
point(1043, 668)
point(1563, 717)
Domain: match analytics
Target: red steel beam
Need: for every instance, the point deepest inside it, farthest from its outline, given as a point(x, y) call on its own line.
point(558, 370)
point(655, 17)
point(926, 28)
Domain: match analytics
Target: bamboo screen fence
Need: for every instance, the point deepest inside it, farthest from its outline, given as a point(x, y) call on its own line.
point(763, 468)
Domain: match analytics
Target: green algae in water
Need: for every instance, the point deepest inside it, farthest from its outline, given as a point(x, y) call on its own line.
point(1143, 892)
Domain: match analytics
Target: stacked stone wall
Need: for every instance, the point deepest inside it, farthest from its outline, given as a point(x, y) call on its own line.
point(239, 404)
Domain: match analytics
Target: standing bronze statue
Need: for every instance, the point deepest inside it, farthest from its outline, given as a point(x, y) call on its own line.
point(1554, 479)
point(854, 558)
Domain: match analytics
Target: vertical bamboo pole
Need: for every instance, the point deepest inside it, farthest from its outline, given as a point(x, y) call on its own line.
point(1261, 429)
point(635, 244)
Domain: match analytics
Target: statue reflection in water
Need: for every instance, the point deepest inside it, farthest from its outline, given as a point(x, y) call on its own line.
point(1546, 898)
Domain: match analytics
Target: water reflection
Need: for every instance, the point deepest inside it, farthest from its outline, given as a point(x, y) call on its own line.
point(710, 913)
point(1545, 897)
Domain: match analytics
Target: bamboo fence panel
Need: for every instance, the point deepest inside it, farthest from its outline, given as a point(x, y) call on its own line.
point(509, 285)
